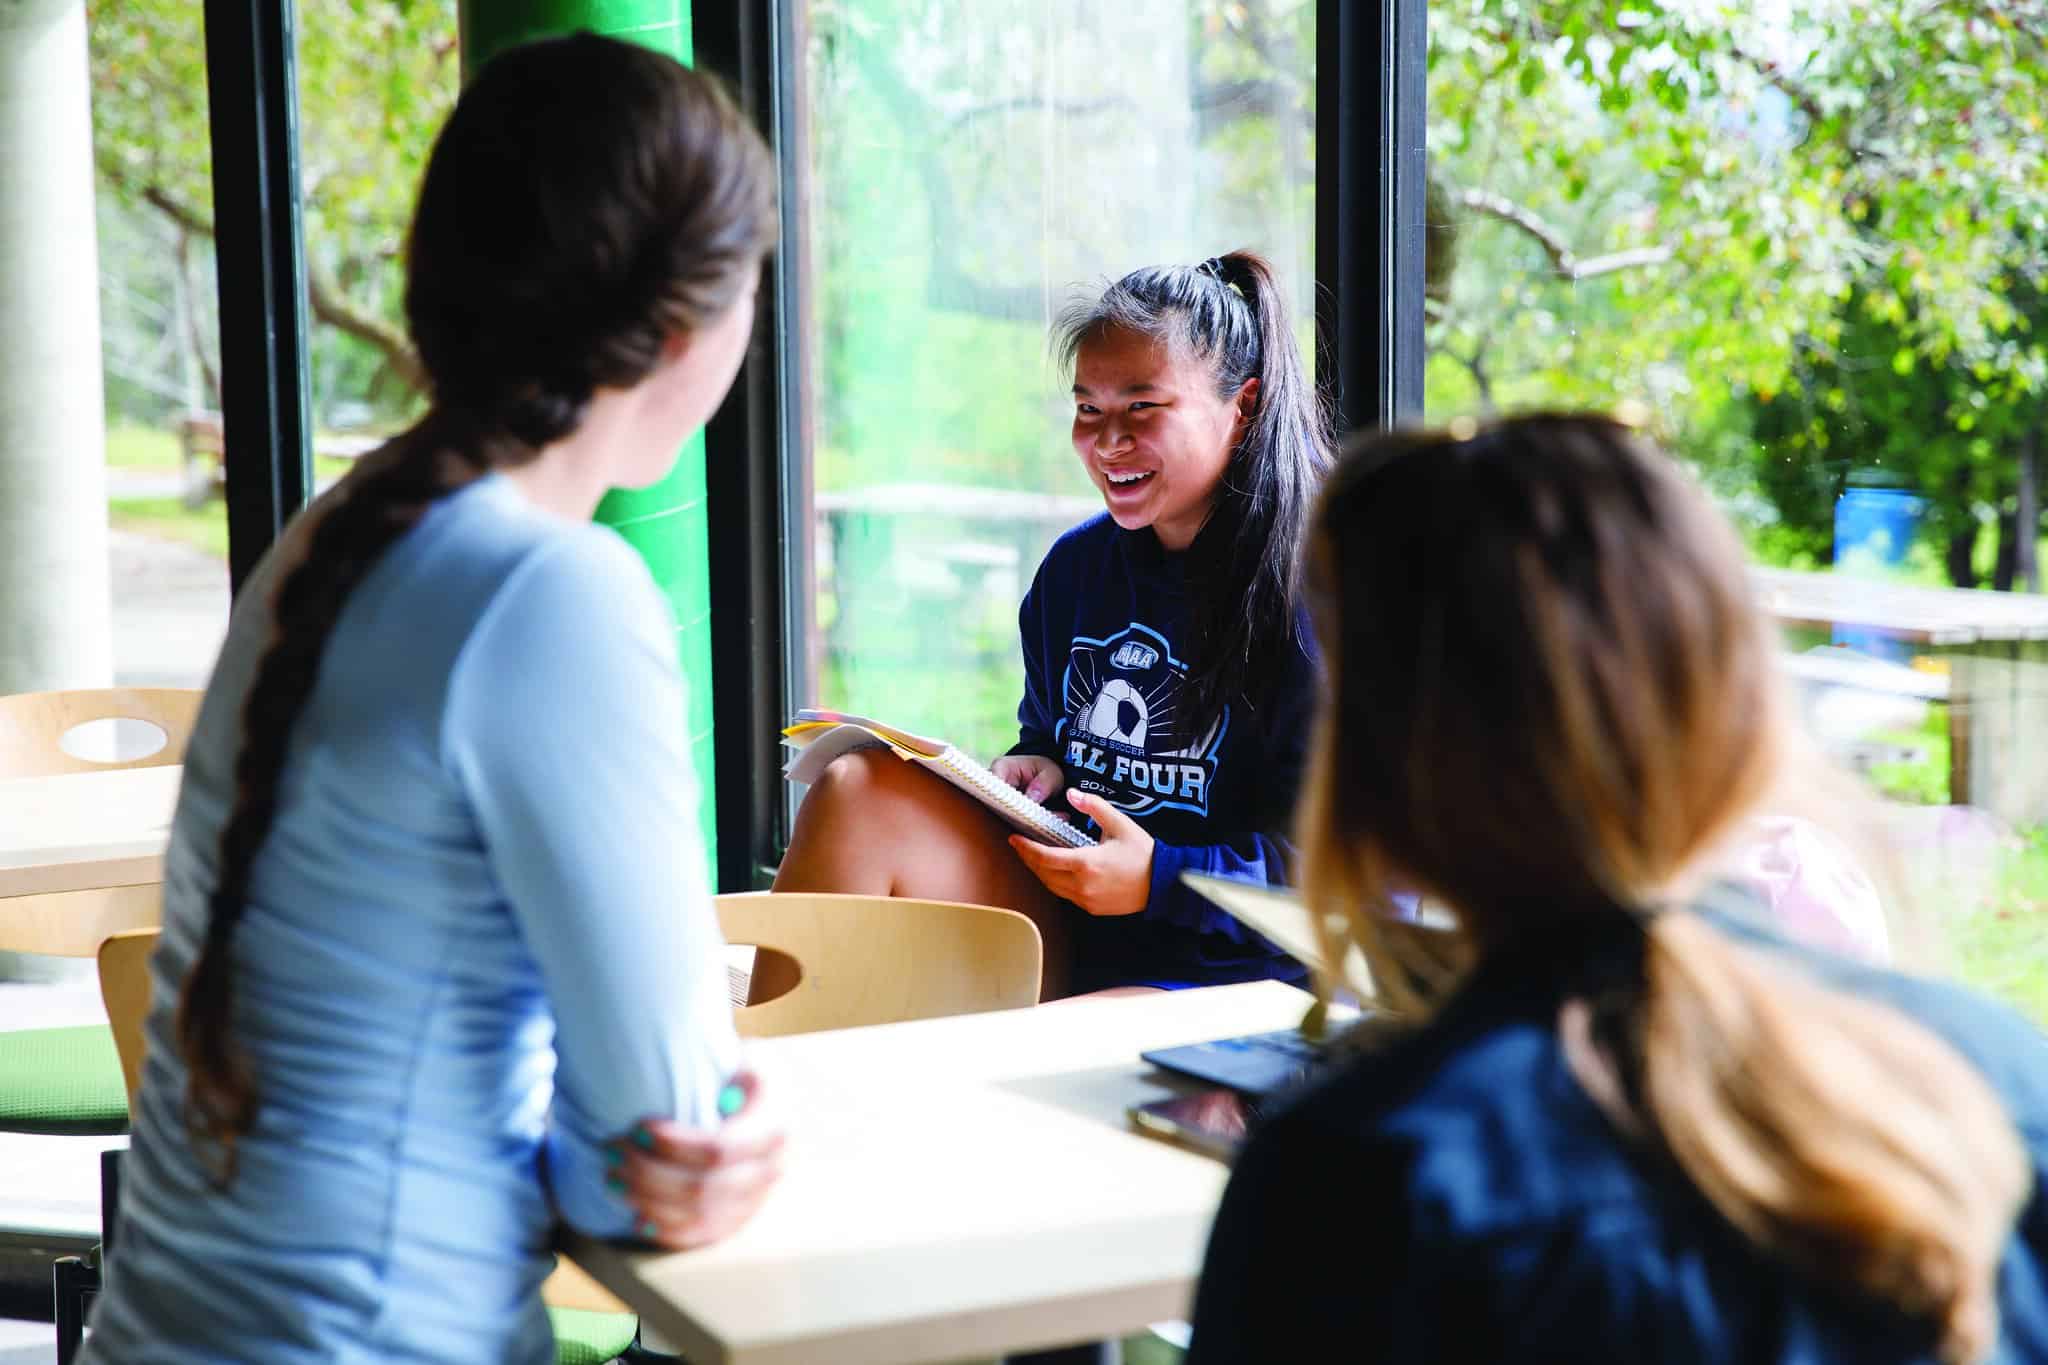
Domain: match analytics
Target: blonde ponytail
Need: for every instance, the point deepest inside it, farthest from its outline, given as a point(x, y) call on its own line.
point(1836, 1134)
point(1550, 697)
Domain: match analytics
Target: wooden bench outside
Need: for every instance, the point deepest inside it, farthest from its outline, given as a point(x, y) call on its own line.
point(202, 446)
point(1996, 648)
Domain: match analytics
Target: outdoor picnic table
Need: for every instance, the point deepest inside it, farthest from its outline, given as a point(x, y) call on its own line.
point(1995, 645)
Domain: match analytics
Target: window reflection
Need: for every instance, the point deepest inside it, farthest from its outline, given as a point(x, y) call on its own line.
point(970, 166)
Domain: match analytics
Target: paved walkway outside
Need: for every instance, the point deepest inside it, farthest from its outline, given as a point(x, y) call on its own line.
point(170, 611)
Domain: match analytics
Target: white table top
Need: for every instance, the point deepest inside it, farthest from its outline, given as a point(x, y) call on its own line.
point(958, 1188)
point(84, 831)
point(1940, 617)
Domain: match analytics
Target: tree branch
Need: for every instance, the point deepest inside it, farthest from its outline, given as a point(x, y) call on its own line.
point(1565, 263)
point(1474, 361)
point(329, 306)
point(322, 294)
point(195, 336)
point(188, 219)
point(1067, 108)
point(1779, 79)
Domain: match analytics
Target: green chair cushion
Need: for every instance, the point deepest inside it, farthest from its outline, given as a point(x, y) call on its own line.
point(62, 1080)
point(586, 1338)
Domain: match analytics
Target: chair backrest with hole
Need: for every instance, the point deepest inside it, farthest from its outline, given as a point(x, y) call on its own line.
point(882, 960)
point(124, 987)
point(33, 726)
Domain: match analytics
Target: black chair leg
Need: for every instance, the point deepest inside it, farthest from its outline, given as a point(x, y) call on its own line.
point(636, 1354)
point(1088, 1353)
point(110, 1199)
point(75, 1281)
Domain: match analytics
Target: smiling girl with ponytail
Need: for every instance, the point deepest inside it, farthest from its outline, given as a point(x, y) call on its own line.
point(1168, 665)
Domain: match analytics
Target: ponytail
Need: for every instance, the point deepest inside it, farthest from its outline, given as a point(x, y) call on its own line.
point(1231, 312)
point(1566, 716)
point(1834, 1133)
point(1247, 558)
point(344, 545)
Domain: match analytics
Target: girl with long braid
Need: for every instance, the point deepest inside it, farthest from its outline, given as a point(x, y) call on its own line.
point(438, 968)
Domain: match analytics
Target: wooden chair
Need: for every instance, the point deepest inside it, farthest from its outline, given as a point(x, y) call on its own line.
point(33, 726)
point(65, 1080)
point(881, 960)
point(124, 987)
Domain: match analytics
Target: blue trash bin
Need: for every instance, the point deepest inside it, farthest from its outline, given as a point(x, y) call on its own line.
point(1874, 530)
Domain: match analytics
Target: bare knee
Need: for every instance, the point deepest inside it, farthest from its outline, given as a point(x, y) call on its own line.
point(865, 775)
point(869, 822)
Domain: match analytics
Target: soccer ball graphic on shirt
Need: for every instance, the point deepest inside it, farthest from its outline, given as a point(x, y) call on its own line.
point(1118, 713)
point(1125, 724)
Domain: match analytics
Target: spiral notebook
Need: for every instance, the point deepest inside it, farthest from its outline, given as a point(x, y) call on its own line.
point(821, 736)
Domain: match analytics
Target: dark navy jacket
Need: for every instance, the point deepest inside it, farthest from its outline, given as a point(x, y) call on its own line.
point(1458, 1198)
point(1105, 629)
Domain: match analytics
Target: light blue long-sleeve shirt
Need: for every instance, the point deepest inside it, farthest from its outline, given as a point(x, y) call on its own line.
point(477, 946)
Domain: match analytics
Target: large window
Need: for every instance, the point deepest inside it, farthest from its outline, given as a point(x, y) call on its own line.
point(969, 168)
point(374, 83)
point(1806, 246)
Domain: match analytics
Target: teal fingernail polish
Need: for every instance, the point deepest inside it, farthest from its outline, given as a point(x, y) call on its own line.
point(643, 1138)
point(614, 1184)
point(732, 1099)
point(649, 1231)
point(614, 1158)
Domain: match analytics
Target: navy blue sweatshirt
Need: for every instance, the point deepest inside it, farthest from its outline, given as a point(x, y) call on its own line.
point(1488, 1211)
point(1106, 629)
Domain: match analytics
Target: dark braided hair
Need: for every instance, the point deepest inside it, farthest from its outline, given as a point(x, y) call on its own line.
point(587, 199)
point(1243, 567)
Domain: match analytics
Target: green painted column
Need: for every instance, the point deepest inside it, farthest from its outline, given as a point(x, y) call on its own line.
point(666, 523)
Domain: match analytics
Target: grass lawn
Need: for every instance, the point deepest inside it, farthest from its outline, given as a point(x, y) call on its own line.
point(1997, 940)
point(170, 519)
point(2001, 945)
point(206, 528)
point(133, 447)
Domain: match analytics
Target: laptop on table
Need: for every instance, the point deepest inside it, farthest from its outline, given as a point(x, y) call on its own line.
point(1256, 1067)
point(1258, 1064)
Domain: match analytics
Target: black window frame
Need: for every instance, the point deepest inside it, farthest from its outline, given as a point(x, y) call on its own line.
point(266, 374)
point(1370, 166)
point(1371, 77)
point(749, 470)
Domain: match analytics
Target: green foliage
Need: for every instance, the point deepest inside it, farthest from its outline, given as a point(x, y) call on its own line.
point(1804, 236)
point(375, 79)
